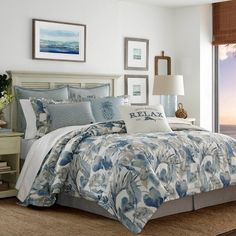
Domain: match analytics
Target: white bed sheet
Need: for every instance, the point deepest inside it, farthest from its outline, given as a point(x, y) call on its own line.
point(25, 147)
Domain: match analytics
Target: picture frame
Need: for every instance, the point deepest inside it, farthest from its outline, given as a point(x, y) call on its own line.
point(136, 87)
point(60, 41)
point(136, 54)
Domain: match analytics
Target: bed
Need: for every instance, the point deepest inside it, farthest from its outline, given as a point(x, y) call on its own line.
point(183, 204)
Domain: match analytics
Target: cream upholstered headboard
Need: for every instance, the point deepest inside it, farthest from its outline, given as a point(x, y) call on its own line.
point(47, 80)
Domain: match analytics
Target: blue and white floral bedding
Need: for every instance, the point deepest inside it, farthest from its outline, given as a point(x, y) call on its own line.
point(132, 175)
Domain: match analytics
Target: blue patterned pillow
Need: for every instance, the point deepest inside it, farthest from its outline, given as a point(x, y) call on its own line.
point(78, 94)
point(25, 93)
point(62, 115)
point(106, 109)
point(42, 114)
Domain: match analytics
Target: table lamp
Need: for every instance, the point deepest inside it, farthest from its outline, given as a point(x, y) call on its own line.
point(168, 86)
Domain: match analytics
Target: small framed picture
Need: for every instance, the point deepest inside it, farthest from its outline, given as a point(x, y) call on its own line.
point(136, 86)
point(136, 54)
point(53, 40)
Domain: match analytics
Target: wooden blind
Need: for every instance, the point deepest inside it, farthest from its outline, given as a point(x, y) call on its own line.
point(224, 22)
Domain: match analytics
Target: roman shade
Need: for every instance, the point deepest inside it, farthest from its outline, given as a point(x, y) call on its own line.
point(224, 22)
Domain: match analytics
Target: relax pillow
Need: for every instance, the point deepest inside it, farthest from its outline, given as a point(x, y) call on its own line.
point(25, 93)
point(77, 94)
point(106, 109)
point(144, 119)
point(62, 115)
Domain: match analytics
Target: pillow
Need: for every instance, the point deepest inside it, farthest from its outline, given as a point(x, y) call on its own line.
point(144, 119)
point(30, 117)
point(175, 120)
point(76, 94)
point(25, 93)
point(55, 94)
point(42, 114)
point(62, 115)
point(106, 109)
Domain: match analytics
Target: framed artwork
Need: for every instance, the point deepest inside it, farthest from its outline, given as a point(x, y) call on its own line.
point(136, 54)
point(136, 86)
point(53, 40)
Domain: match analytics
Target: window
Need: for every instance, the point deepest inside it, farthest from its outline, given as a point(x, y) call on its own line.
point(227, 89)
point(224, 39)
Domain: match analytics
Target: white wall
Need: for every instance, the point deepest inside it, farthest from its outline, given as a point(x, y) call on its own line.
point(187, 34)
point(153, 23)
point(206, 68)
point(193, 30)
point(184, 34)
point(108, 22)
point(101, 18)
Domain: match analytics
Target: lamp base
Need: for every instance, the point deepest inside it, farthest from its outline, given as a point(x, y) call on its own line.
point(169, 102)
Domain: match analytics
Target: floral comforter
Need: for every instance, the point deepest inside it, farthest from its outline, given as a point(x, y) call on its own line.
point(132, 175)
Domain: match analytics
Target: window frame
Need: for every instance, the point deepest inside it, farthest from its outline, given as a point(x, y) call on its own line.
point(216, 89)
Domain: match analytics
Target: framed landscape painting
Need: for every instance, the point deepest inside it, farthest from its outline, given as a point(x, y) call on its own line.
point(136, 86)
point(53, 40)
point(136, 54)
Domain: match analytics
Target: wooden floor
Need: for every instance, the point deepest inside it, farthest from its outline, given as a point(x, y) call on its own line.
point(21, 221)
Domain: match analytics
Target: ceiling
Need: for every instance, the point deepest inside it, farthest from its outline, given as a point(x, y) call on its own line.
point(175, 3)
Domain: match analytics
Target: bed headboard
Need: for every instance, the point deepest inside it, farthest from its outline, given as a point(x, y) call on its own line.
point(47, 80)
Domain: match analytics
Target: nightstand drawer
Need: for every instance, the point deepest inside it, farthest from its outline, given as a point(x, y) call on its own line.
point(9, 145)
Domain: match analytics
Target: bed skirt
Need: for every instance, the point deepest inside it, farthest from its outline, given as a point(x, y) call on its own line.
point(185, 204)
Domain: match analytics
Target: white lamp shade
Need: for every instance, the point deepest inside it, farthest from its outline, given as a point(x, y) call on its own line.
point(168, 85)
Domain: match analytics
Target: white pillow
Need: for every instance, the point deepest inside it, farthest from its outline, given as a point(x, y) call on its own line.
point(30, 118)
point(175, 120)
point(144, 119)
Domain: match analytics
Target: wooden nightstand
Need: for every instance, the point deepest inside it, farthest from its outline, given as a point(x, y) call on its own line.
point(189, 120)
point(10, 153)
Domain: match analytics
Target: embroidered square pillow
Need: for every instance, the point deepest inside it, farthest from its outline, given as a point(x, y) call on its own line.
point(144, 119)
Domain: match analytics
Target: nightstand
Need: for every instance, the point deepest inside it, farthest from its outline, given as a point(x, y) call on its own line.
point(189, 120)
point(10, 154)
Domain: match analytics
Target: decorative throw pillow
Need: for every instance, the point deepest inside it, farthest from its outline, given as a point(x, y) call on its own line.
point(62, 115)
point(42, 114)
point(144, 119)
point(106, 109)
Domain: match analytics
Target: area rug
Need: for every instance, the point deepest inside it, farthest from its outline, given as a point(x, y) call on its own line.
point(16, 220)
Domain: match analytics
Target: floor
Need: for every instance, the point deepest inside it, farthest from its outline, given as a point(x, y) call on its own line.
point(60, 221)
